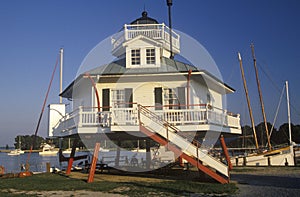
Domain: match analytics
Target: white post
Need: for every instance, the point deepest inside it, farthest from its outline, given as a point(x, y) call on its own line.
point(289, 112)
point(125, 32)
point(207, 119)
point(163, 32)
point(80, 116)
point(61, 73)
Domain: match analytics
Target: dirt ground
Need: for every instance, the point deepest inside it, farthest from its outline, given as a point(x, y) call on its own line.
point(77, 193)
point(266, 181)
point(261, 181)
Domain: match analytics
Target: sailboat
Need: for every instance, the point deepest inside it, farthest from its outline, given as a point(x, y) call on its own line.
point(283, 156)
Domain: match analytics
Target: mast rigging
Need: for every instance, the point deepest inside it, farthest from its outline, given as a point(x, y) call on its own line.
point(248, 100)
point(260, 97)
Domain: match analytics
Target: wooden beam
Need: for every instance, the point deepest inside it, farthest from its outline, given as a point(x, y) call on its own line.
point(94, 163)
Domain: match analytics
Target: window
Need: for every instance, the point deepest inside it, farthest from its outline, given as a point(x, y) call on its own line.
point(118, 98)
point(122, 98)
point(150, 56)
point(135, 57)
point(170, 98)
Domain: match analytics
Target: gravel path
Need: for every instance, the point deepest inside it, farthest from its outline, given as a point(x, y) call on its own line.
point(268, 182)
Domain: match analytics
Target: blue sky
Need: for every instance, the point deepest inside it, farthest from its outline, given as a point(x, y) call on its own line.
point(33, 31)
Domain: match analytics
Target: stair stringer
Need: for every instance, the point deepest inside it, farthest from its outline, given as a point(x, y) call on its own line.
point(184, 142)
point(194, 161)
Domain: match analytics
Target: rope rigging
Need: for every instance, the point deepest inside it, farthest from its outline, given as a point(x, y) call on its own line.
point(41, 114)
point(277, 87)
point(277, 110)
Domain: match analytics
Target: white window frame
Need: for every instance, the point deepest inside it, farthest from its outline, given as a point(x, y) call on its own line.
point(135, 57)
point(118, 98)
point(170, 97)
point(150, 56)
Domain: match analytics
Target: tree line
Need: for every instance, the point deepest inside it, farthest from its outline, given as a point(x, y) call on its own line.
point(24, 142)
point(278, 137)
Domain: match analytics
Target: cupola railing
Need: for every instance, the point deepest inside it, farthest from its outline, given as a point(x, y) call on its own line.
point(158, 32)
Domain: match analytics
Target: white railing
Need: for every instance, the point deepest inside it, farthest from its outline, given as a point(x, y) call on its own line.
point(202, 114)
point(124, 116)
point(199, 114)
point(159, 32)
point(185, 116)
point(83, 117)
point(233, 120)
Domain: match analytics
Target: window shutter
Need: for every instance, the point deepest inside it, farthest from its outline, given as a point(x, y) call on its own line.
point(105, 100)
point(128, 97)
point(158, 98)
point(181, 97)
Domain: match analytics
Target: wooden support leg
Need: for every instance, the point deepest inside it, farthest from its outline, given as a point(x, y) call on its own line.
point(224, 147)
point(180, 160)
point(117, 159)
point(71, 159)
point(148, 155)
point(94, 163)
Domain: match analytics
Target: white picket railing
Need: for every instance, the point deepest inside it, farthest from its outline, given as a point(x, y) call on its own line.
point(124, 116)
point(83, 117)
point(202, 114)
point(155, 31)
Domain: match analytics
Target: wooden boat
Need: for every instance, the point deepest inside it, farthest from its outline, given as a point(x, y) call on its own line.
point(282, 156)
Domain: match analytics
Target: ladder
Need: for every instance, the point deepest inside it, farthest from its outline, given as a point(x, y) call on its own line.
point(181, 144)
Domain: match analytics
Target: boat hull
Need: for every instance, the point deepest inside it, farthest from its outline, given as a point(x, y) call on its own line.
point(280, 157)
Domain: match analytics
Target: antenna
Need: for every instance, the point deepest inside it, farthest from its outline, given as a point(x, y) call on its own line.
point(61, 73)
point(169, 4)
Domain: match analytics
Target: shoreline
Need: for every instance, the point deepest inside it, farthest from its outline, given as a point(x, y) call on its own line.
point(26, 151)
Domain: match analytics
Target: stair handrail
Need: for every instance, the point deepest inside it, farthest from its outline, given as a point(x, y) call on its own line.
point(162, 122)
point(165, 123)
point(159, 120)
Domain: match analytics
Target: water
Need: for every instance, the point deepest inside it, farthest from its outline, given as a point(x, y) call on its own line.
point(12, 164)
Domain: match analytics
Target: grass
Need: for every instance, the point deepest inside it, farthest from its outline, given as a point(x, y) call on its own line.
point(108, 183)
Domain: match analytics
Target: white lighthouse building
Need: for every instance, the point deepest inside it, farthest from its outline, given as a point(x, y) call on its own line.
point(145, 93)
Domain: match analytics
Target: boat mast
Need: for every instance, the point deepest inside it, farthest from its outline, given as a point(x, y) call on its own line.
point(289, 112)
point(248, 100)
point(260, 97)
point(61, 73)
